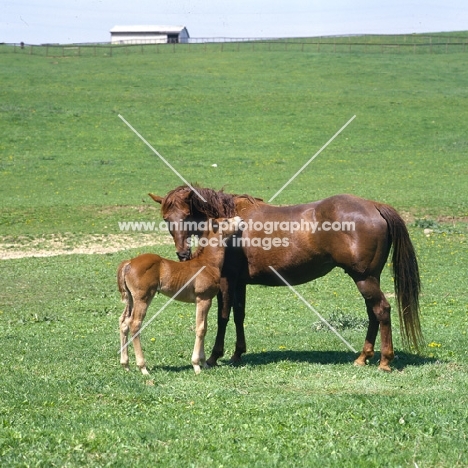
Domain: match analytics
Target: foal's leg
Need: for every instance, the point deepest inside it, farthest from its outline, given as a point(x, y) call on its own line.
point(378, 310)
point(198, 355)
point(239, 316)
point(124, 329)
point(136, 319)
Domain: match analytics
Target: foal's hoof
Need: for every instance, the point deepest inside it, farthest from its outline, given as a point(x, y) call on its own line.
point(359, 363)
point(197, 369)
point(144, 371)
point(125, 367)
point(385, 368)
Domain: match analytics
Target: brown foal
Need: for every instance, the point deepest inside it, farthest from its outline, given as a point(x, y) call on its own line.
point(195, 281)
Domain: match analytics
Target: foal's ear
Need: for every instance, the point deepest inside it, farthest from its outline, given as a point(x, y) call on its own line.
point(156, 198)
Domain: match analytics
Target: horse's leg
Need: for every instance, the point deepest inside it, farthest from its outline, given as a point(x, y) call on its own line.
point(224, 310)
point(137, 317)
point(239, 316)
point(198, 355)
point(372, 329)
point(124, 329)
point(378, 310)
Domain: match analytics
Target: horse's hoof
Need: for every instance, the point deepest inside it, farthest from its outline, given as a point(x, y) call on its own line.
point(197, 369)
point(211, 363)
point(235, 361)
point(359, 363)
point(144, 371)
point(125, 367)
point(385, 368)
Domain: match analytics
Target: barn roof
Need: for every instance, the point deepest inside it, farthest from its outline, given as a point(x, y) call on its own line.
point(147, 29)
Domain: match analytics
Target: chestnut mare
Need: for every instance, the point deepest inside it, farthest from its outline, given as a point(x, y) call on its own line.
point(196, 281)
point(305, 254)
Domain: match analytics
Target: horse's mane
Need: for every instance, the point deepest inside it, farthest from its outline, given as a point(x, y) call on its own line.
point(175, 199)
point(218, 203)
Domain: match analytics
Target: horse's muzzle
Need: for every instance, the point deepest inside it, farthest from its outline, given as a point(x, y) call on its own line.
point(184, 256)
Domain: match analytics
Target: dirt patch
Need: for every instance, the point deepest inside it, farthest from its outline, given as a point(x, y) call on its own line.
point(452, 219)
point(70, 244)
point(411, 217)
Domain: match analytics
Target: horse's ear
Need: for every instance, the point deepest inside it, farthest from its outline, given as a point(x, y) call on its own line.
point(156, 198)
point(215, 226)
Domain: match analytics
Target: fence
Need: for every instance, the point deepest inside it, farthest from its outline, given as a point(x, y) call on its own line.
point(413, 44)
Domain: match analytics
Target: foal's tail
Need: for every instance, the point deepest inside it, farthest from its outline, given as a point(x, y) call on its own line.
point(125, 293)
point(406, 274)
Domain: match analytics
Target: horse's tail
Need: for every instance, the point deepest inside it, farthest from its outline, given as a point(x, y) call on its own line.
point(125, 293)
point(406, 277)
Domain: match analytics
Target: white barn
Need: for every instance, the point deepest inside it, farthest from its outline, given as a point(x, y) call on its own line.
point(149, 35)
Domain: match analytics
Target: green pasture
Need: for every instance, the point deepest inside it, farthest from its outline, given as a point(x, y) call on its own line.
point(70, 167)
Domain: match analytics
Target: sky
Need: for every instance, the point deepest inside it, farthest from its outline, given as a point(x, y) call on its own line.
point(81, 21)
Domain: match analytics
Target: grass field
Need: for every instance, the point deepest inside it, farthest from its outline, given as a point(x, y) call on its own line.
point(71, 170)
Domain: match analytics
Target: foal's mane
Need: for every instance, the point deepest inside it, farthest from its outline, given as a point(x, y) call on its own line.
point(218, 203)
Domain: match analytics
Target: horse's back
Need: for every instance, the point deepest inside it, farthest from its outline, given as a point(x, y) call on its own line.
point(342, 230)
